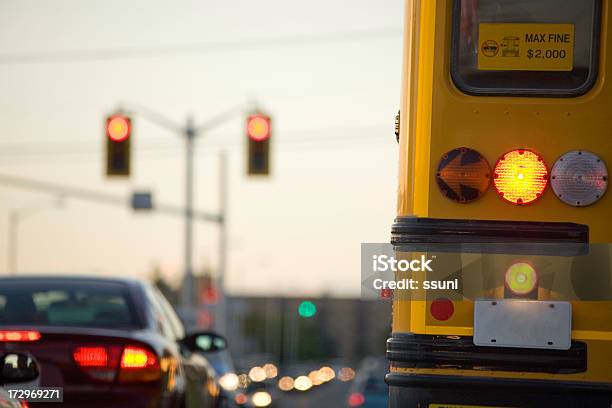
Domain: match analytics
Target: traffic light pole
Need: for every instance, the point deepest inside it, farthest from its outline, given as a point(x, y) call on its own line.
point(190, 131)
point(187, 287)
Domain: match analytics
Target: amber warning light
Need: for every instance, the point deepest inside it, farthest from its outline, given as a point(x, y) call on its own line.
point(520, 177)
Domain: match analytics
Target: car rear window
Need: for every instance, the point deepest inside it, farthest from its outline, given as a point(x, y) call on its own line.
point(83, 304)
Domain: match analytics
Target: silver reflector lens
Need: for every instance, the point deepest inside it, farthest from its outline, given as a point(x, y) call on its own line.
point(579, 178)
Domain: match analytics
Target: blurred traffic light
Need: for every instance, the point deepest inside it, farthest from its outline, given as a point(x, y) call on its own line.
point(259, 132)
point(118, 145)
point(307, 309)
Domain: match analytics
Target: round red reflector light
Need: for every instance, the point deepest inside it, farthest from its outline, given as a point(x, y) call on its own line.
point(442, 309)
point(579, 178)
point(258, 128)
point(520, 177)
point(118, 128)
point(521, 278)
point(463, 175)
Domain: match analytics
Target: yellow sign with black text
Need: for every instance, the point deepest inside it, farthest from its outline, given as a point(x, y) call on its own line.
point(525, 47)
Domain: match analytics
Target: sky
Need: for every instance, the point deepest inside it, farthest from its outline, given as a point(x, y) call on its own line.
point(66, 64)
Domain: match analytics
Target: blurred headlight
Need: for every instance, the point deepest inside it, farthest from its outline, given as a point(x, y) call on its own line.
point(261, 399)
point(229, 382)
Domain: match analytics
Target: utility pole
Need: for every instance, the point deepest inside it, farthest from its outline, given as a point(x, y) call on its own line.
point(190, 132)
point(222, 316)
point(187, 295)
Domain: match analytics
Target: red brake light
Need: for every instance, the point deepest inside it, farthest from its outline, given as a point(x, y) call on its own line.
point(356, 399)
point(91, 356)
point(19, 335)
point(520, 177)
point(132, 363)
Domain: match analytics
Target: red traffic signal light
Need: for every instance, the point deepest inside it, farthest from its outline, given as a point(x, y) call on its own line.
point(258, 127)
point(118, 128)
point(118, 145)
point(259, 134)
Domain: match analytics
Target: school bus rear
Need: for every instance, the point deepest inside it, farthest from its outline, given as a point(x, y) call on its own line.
point(505, 141)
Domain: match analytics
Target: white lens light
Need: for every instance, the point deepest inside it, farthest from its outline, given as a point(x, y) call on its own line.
point(579, 178)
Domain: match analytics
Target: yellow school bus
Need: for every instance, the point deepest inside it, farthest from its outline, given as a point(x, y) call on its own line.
point(505, 138)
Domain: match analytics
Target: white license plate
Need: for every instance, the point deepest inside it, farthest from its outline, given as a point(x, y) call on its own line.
point(523, 324)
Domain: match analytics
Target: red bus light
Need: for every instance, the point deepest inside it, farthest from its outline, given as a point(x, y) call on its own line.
point(520, 177)
point(442, 309)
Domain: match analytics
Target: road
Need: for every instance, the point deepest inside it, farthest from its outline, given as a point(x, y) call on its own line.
point(330, 395)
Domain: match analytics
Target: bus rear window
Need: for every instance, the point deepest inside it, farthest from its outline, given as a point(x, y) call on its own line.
point(525, 47)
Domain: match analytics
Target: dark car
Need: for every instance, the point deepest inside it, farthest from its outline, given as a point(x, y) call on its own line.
point(107, 342)
point(17, 372)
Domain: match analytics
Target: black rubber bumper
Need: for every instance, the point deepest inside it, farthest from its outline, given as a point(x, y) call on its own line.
point(414, 230)
point(423, 391)
point(408, 350)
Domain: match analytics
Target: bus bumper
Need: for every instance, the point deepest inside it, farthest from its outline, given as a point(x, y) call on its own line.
point(445, 391)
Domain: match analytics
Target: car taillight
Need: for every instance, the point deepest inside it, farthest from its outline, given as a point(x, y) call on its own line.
point(19, 335)
point(520, 177)
point(129, 364)
point(98, 361)
point(356, 399)
point(521, 280)
point(138, 364)
point(91, 356)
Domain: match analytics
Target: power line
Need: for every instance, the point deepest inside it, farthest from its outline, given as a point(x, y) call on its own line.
point(208, 47)
point(71, 148)
point(87, 157)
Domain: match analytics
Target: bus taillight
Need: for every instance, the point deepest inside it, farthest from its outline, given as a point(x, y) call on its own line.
point(520, 177)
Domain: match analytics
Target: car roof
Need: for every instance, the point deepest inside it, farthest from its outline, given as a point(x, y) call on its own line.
point(72, 278)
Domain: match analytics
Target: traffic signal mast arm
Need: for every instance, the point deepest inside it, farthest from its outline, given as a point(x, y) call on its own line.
point(190, 131)
point(99, 197)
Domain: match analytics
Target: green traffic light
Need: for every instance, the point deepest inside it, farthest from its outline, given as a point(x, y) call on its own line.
point(307, 309)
